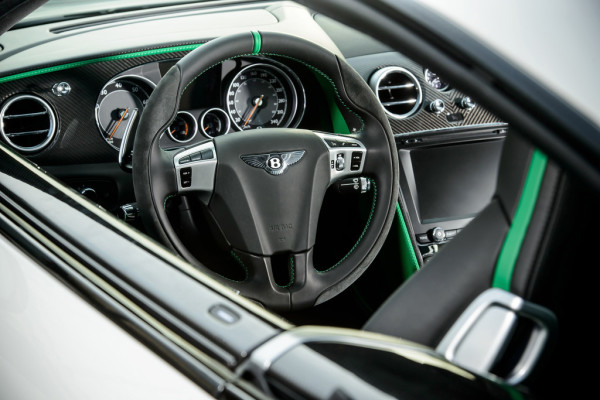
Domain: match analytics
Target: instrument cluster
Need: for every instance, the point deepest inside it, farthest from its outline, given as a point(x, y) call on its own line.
point(236, 95)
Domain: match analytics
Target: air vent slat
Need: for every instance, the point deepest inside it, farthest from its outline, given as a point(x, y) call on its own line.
point(27, 123)
point(28, 115)
point(26, 133)
point(396, 103)
point(405, 86)
point(398, 91)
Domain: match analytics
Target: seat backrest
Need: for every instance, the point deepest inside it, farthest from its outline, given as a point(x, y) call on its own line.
point(522, 242)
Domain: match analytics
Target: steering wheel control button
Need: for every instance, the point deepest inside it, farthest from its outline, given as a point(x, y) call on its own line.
point(340, 163)
point(436, 106)
point(438, 234)
point(186, 177)
point(355, 161)
point(185, 160)
point(346, 155)
point(207, 154)
point(423, 238)
point(196, 156)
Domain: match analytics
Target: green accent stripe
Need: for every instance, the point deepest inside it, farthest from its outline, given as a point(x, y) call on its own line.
point(408, 258)
point(337, 118)
point(514, 239)
point(76, 64)
point(257, 42)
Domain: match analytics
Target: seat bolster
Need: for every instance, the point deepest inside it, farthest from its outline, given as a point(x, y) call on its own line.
point(427, 304)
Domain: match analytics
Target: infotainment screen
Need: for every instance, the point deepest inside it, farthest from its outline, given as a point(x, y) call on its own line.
point(454, 181)
point(445, 185)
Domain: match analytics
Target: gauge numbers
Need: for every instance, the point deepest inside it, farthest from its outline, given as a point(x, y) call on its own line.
point(261, 96)
point(119, 106)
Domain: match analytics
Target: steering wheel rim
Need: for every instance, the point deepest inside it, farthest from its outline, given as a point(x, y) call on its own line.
point(157, 174)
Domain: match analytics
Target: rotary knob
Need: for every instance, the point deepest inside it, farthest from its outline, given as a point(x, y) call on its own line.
point(436, 106)
point(438, 234)
point(466, 103)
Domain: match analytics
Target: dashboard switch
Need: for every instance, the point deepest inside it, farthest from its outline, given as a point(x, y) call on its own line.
point(436, 106)
point(423, 238)
point(465, 103)
point(61, 89)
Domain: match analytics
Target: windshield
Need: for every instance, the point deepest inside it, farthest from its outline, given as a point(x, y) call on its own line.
point(61, 10)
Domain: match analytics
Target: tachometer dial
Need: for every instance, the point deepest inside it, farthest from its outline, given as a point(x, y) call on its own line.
point(183, 128)
point(115, 105)
point(261, 96)
point(435, 81)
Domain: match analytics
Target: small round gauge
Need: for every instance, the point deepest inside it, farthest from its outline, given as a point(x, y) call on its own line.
point(119, 107)
point(261, 96)
point(214, 122)
point(183, 128)
point(435, 81)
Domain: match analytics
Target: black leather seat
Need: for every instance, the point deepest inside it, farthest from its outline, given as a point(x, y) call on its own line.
point(544, 261)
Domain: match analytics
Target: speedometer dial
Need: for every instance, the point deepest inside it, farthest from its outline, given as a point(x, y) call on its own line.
point(261, 96)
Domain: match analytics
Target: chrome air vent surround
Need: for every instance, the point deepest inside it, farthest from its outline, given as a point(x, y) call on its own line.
point(398, 91)
point(27, 122)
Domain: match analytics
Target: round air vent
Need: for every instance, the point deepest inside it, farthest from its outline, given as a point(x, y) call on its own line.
point(27, 122)
point(398, 91)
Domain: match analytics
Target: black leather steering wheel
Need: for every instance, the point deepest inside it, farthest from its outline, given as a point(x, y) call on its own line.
point(253, 181)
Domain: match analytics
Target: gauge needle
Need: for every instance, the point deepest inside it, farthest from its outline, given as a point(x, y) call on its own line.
point(254, 109)
point(119, 123)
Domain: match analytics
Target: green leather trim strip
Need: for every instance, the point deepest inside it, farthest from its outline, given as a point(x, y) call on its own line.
point(337, 118)
point(257, 42)
point(408, 258)
point(76, 64)
point(514, 238)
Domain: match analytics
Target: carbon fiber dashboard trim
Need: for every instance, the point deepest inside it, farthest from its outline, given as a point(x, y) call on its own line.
point(423, 120)
point(77, 140)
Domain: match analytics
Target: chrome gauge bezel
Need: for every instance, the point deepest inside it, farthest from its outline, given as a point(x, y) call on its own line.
point(225, 119)
point(294, 88)
point(443, 88)
point(144, 83)
point(188, 118)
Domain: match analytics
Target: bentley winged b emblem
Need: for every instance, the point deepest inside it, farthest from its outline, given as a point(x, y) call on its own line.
point(273, 163)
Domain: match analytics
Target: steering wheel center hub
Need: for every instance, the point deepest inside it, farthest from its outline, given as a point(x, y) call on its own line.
point(269, 183)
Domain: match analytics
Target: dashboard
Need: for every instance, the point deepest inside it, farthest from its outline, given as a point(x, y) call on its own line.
point(72, 91)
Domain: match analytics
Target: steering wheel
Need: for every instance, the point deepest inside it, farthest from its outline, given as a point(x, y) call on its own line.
point(264, 188)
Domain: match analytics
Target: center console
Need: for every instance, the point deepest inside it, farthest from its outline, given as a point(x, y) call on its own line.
point(446, 179)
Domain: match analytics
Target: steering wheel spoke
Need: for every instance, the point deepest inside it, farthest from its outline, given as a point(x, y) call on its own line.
point(260, 278)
